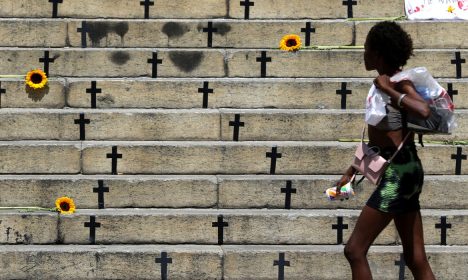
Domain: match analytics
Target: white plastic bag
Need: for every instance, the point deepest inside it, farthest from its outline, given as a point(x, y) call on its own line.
point(436, 9)
point(375, 106)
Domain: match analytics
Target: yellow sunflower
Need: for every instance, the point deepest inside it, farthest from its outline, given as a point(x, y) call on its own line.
point(290, 42)
point(65, 205)
point(450, 9)
point(36, 79)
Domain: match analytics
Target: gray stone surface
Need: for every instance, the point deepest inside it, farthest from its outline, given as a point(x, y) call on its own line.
point(21, 227)
point(33, 33)
point(115, 9)
point(295, 9)
point(109, 262)
point(39, 157)
point(18, 95)
point(124, 191)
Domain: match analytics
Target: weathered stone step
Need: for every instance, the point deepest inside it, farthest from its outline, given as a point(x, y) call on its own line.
point(78, 62)
point(203, 226)
point(209, 157)
point(193, 124)
point(187, 93)
point(206, 262)
point(226, 33)
point(202, 9)
point(111, 262)
point(224, 191)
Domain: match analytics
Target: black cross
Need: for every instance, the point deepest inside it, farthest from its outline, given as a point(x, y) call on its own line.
point(205, 90)
point(93, 90)
point(220, 224)
point(210, 31)
point(82, 122)
point(288, 191)
point(247, 4)
point(458, 61)
point(2, 91)
point(343, 92)
point(236, 124)
point(164, 261)
point(273, 155)
point(154, 62)
point(350, 4)
point(147, 4)
point(339, 227)
point(92, 228)
point(458, 157)
point(307, 30)
point(100, 191)
point(83, 30)
point(55, 7)
point(46, 60)
point(443, 229)
point(263, 60)
point(451, 92)
point(401, 264)
point(281, 263)
point(114, 156)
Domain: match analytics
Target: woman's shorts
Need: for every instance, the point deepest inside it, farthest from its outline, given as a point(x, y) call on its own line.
point(398, 191)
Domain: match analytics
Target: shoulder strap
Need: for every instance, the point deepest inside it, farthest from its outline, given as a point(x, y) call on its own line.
point(399, 147)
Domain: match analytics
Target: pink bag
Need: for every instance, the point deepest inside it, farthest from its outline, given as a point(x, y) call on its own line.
point(369, 163)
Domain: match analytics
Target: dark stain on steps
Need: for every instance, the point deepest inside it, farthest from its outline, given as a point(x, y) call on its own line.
point(186, 61)
point(174, 29)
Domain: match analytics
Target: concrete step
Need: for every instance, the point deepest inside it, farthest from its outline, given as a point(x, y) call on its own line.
point(111, 262)
point(213, 262)
point(186, 93)
point(202, 9)
point(193, 124)
point(201, 157)
point(77, 62)
point(223, 191)
point(229, 33)
point(203, 226)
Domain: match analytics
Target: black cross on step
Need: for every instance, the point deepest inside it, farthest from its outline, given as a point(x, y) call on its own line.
point(401, 265)
point(459, 157)
point(114, 156)
point(84, 29)
point(350, 4)
point(450, 91)
point(93, 91)
point(458, 61)
point(154, 62)
point(147, 4)
point(343, 92)
point(100, 191)
point(82, 122)
point(247, 4)
point(164, 261)
point(339, 227)
point(263, 63)
point(288, 191)
point(55, 7)
point(2, 91)
point(273, 155)
point(206, 91)
point(46, 60)
point(307, 30)
point(92, 228)
point(281, 263)
point(210, 31)
point(220, 224)
point(443, 226)
point(236, 124)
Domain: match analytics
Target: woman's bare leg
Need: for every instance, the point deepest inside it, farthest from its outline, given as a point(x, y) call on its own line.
point(410, 229)
point(370, 224)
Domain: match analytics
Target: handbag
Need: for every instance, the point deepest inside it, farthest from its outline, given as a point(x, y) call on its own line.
point(368, 162)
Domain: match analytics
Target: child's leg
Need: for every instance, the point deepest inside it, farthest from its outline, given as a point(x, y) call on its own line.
point(369, 225)
point(410, 229)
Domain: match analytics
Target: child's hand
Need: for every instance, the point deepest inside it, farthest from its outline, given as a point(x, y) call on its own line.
point(383, 82)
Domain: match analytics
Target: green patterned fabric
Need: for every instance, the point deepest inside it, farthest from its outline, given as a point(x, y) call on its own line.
point(399, 189)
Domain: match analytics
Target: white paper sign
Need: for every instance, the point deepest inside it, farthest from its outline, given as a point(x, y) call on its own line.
point(437, 9)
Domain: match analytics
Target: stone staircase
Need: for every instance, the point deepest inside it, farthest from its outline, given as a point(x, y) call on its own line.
point(198, 154)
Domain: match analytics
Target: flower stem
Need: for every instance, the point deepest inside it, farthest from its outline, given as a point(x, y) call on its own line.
point(377, 18)
point(31, 208)
point(332, 47)
point(12, 76)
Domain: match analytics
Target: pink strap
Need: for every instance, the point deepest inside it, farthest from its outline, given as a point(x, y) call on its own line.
point(399, 146)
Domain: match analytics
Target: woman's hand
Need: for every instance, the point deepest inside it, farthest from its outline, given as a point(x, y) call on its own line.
point(383, 83)
point(344, 179)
